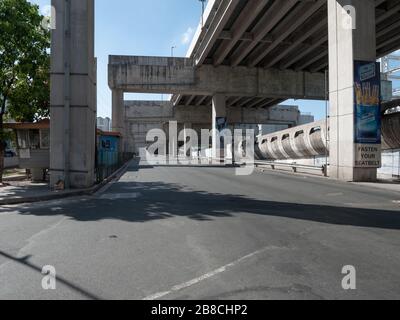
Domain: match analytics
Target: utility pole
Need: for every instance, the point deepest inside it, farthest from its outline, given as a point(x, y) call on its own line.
point(172, 51)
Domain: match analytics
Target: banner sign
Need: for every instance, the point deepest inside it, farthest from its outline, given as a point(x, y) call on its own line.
point(367, 114)
point(222, 124)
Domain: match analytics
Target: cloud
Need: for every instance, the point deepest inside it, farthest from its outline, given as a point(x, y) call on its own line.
point(187, 36)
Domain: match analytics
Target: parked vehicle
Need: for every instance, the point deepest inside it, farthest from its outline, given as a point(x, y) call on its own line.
point(9, 154)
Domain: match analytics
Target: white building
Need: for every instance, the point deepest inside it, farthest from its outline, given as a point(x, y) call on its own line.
point(303, 118)
point(104, 124)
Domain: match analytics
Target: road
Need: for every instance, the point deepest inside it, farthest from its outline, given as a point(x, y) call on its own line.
point(205, 233)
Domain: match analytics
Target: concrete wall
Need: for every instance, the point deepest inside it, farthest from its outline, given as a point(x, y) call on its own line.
point(11, 162)
point(39, 159)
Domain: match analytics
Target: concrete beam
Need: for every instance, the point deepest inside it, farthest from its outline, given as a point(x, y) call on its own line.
point(164, 111)
point(180, 76)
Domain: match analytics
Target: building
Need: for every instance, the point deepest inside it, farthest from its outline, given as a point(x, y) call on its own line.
point(33, 143)
point(303, 118)
point(104, 124)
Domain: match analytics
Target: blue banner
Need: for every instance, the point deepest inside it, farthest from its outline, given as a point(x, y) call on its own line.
point(367, 113)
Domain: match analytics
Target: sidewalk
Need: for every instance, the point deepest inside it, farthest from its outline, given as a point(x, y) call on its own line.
point(27, 192)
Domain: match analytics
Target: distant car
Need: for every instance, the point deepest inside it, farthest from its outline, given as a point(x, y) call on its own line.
point(9, 154)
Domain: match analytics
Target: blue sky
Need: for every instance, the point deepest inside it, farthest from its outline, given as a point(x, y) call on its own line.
point(149, 27)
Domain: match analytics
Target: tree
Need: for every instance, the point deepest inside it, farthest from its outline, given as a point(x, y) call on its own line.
point(24, 65)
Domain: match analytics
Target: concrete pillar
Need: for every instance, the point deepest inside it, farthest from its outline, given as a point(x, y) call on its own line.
point(219, 122)
point(347, 43)
point(73, 95)
point(118, 116)
point(117, 110)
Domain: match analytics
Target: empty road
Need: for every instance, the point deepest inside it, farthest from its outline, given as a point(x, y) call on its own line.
point(204, 233)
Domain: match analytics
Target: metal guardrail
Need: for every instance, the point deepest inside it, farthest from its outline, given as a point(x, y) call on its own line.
point(293, 166)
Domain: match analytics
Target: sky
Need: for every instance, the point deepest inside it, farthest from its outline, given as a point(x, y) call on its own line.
point(150, 27)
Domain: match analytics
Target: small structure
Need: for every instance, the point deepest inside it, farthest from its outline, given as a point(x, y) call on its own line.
point(33, 144)
point(108, 156)
point(108, 144)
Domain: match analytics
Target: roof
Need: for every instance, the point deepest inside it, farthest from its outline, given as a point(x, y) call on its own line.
point(42, 124)
point(108, 133)
point(45, 124)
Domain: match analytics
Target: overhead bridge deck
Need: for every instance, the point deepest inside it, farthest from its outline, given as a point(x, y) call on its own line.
point(282, 34)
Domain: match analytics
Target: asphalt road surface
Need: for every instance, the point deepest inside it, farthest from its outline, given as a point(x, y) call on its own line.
point(204, 233)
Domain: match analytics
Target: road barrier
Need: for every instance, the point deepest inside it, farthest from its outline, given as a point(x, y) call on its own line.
point(293, 166)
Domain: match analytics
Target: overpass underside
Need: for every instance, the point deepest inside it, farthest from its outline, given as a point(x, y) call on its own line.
point(257, 53)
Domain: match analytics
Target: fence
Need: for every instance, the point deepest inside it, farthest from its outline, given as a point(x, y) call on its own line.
point(108, 162)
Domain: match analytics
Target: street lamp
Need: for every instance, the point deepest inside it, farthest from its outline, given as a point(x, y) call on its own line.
point(172, 51)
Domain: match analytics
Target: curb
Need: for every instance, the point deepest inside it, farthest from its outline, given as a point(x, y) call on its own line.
point(14, 178)
point(68, 194)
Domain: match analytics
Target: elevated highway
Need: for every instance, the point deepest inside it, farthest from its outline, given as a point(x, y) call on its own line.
point(248, 53)
point(312, 140)
point(280, 34)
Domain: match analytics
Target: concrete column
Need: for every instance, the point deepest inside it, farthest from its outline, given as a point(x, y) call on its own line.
point(347, 44)
point(118, 111)
point(219, 120)
point(73, 95)
point(118, 116)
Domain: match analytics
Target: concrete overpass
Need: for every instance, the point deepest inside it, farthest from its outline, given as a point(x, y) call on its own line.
point(258, 53)
point(139, 117)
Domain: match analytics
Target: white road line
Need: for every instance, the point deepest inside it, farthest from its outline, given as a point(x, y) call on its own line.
point(118, 196)
point(208, 275)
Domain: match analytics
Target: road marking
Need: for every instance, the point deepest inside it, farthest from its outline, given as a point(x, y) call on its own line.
point(116, 196)
point(208, 275)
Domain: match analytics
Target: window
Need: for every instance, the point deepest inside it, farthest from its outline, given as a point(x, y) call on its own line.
point(45, 139)
point(106, 144)
point(23, 139)
point(34, 139)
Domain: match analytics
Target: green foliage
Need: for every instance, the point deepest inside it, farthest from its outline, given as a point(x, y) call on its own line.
point(24, 61)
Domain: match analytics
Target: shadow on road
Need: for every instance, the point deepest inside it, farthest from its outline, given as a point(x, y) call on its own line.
point(149, 201)
point(25, 262)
